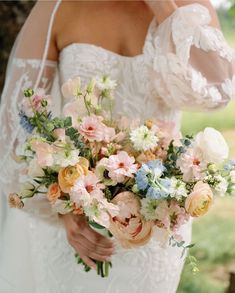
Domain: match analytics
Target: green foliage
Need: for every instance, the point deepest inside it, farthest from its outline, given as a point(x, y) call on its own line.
point(48, 178)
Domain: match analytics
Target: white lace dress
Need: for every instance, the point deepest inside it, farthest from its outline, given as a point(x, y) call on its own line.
point(34, 254)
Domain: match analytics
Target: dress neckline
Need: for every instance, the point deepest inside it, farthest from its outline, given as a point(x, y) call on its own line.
point(77, 44)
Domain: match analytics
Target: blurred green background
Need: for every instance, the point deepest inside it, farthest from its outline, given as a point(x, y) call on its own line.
point(214, 234)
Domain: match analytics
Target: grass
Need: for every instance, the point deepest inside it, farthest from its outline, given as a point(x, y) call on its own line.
point(214, 235)
point(194, 122)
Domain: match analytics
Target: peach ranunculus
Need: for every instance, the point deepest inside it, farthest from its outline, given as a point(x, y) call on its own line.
point(68, 175)
point(199, 200)
point(129, 227)
point(54, 192)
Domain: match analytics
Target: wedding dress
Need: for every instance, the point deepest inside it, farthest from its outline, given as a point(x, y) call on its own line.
point(185, 63)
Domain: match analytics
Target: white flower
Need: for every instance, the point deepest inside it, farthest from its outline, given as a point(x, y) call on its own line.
point(221, 186)
point(105, 83)
point(26, 189)
point(178, 189)
point(61, 207)
point(148, 209)
point(212, 145)
point(232, 176)
point(100, 212)
point(66, 158)
point(143, 139)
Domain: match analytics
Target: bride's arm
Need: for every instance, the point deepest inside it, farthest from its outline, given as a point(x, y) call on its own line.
point(192, 65)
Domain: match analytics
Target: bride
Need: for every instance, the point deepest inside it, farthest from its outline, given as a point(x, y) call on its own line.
point(165, 56)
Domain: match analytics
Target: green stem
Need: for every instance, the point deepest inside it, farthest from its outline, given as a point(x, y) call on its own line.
point(86, 105)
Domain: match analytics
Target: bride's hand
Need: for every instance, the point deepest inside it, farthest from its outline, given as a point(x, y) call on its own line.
point(89, 244)
point(161, 9)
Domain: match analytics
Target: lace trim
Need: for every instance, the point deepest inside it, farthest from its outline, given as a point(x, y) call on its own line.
point(34, 63)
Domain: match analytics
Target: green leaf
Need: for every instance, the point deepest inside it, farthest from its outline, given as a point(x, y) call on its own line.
point(96, 226)
point(190, 245)
point(67, 122)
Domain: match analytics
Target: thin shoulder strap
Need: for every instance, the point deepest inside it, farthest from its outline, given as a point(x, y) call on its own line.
point(48, 38)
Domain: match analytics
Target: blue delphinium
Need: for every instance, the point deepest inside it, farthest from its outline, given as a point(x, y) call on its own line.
point(149, 181)
point(160, 188)
point(25, 123)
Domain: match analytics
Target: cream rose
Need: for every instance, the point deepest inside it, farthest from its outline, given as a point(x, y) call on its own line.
point(199, 200)
point(129, 227)
point(212, 145)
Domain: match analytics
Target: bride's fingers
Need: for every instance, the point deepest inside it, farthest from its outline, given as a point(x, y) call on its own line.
point(96, 238)
point(88, 262)
point(106, 252)
point(83, 253)
point(97, 256)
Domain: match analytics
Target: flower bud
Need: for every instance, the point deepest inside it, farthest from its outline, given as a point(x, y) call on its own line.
point(212, 168)
point(28, 93)
point(135, 188)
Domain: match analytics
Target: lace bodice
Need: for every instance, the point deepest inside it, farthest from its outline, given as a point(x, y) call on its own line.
point(134, 92)
point(173, 72)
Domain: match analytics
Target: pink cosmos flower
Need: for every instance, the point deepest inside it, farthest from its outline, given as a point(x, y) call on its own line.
point(86, 188)
point(121, 166)
point(191, 164)
point(44, 153)
point(92, 129)
point(87, 194)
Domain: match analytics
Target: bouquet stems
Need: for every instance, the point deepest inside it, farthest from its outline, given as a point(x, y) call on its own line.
point(102, 267)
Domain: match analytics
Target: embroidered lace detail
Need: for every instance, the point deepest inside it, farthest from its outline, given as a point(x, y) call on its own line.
point(171, 74)
point(181, 52)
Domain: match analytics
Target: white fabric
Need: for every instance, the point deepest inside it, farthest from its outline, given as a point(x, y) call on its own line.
point(166, 77)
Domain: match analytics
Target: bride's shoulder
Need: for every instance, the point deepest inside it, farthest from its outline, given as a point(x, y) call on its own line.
point(35, 32)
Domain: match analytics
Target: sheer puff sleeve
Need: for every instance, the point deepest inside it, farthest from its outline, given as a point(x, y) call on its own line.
point(191, 64)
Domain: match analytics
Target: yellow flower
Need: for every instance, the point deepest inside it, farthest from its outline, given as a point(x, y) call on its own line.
point(199, 200)
point(68, 175)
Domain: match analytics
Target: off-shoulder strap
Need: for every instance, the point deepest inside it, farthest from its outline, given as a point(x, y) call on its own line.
point(48, 38)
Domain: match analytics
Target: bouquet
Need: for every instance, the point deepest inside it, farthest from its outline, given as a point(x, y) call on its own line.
point(124, 176)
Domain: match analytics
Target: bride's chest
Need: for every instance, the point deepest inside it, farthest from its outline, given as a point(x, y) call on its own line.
point(88, 61)
point(135, 95)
